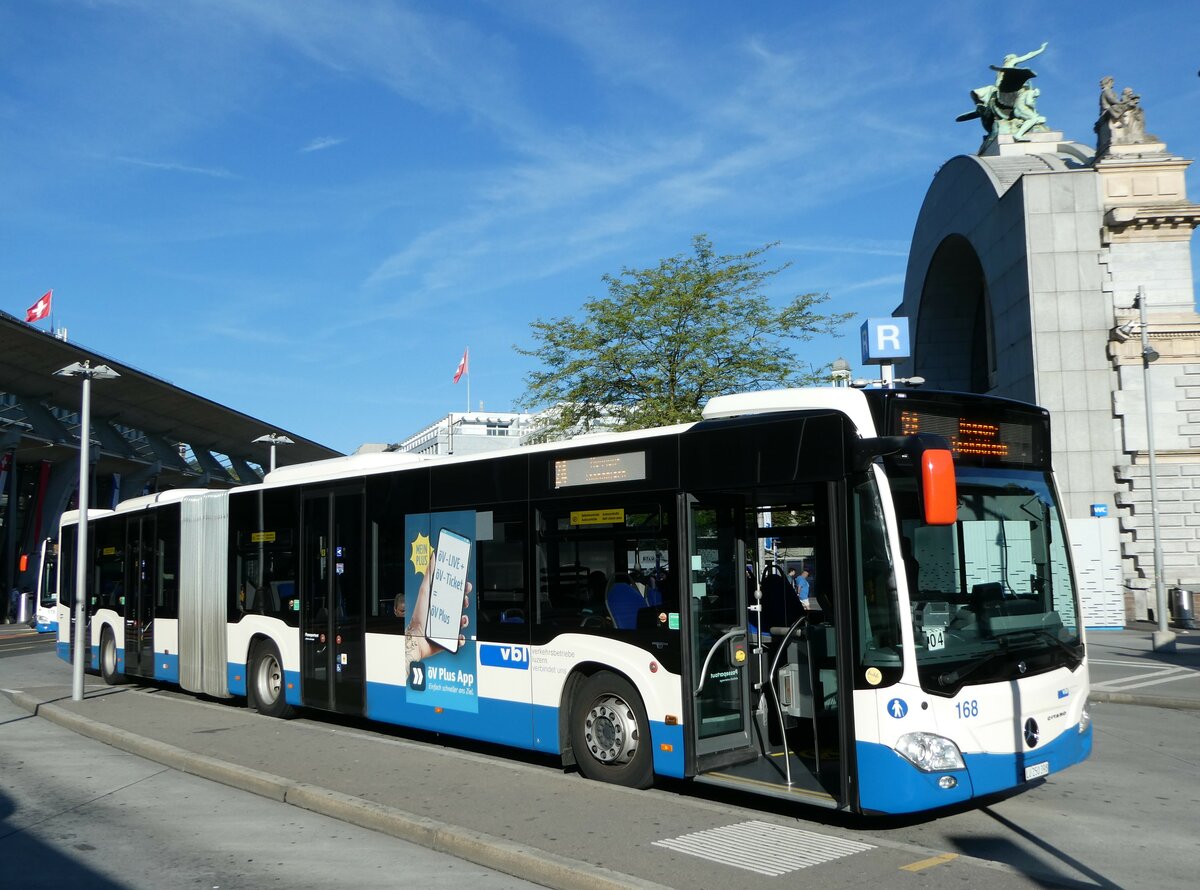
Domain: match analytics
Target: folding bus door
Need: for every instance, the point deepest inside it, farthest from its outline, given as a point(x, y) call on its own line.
point(717, 640)
point(140, 574)
point(333, 641)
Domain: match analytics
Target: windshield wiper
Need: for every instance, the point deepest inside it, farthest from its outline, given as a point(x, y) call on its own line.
point(1074, 658)
point(952, 678)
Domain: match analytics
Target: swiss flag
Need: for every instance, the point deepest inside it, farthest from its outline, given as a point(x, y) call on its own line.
point(40, 309)
point(462, 367)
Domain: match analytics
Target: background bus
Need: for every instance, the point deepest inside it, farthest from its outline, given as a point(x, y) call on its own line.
point(620, 601)
point(45, 617)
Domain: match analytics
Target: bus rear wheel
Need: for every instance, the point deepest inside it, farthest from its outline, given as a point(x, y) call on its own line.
point(265, 689)
point(108, 659)
point(610, 733)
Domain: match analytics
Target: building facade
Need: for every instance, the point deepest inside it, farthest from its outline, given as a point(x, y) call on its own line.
point(1024, 276)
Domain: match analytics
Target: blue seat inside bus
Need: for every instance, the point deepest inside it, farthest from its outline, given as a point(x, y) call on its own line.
point(624, 601)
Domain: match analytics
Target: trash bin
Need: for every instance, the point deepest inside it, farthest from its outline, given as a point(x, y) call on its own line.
point(25, 609)
point(1181, 608)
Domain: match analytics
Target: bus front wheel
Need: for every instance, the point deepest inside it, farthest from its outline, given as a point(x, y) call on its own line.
point(108, 659)
point(610, 733)
point(266, 686)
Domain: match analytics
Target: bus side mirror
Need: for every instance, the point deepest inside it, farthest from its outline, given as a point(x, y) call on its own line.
point(938, 490)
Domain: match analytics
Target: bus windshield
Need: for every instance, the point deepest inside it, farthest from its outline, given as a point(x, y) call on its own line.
point(992, 595)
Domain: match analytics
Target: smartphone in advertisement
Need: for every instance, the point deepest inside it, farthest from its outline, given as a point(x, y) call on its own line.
point(443, 624)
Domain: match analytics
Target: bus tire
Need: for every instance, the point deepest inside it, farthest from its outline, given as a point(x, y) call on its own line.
point(610, 733)
point(108, 658)
point(266, 688)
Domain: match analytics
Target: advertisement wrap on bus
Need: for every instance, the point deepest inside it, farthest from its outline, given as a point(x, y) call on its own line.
point(855, 599)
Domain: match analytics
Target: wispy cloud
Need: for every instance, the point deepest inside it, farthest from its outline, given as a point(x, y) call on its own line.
point(882, 281)
point(322, 142)
point(861, 247)
point(176, 167)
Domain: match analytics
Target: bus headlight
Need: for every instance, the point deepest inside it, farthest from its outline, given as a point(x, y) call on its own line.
point(1085, 720)
point(929, 753)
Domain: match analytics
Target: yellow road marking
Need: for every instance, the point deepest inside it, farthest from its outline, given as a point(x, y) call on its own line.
point(929, 863)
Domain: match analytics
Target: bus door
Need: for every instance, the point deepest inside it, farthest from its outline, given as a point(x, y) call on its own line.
point(141, 573)
point(333, 635)
point(802, 703)
point(717, 674)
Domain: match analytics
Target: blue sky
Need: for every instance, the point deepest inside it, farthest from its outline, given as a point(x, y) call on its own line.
point(307, 210)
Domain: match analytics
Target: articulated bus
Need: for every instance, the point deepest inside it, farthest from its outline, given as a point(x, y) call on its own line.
point(623, 601)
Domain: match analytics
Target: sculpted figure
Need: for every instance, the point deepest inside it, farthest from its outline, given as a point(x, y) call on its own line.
point(1110, 105)
point(1025, 112)
point(1012, 60)
point(1008, 106)
point(1122, 118)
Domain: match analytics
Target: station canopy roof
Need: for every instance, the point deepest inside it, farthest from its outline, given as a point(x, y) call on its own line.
point(138, 421)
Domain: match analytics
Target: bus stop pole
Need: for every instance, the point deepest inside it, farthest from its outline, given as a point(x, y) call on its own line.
point(85, 371)
point(85, 441)
point(1163, 639)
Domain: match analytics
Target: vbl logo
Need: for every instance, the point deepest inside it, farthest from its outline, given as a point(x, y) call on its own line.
point(514, 657)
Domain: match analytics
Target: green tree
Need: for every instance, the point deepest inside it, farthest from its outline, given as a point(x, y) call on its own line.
point(668, 338)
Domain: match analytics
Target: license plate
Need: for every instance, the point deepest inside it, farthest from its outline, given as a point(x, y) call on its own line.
point(1037, 770)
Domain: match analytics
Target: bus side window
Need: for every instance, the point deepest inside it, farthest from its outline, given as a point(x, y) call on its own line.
point(502, 589)
point(263, 536)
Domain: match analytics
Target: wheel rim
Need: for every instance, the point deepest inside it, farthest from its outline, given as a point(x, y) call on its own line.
point(110, 656)
point(611, 731)
point(270, 679)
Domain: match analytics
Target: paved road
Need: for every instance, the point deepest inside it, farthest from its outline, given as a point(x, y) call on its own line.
point(524, 816)
point(78, 813)
point(1126, 670)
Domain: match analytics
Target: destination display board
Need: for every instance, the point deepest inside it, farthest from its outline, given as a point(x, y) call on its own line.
point(604, 468)
point(987, 434)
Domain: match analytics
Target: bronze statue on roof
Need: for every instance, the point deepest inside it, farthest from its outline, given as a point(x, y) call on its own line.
point(1008, 106)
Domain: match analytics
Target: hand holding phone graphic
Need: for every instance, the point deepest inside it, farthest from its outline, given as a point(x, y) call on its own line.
point(448, 590)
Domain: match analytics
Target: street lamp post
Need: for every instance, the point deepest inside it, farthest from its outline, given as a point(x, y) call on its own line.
point(274, 439)
point(87, 373)
point(1164, 639)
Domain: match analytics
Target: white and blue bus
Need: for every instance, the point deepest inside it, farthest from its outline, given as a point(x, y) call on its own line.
point(623, 601)
point(46, 608)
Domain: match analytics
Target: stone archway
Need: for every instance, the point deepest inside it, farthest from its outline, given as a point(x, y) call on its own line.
point(954, 346)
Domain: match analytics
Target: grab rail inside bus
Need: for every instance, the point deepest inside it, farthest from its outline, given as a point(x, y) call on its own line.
point(787, 760)
point(728, 635)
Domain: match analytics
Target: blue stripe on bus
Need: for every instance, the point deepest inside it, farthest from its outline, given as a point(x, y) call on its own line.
point(995, 772)
point(890, 784)
point(166, 667)
point(235, 678)
point(46, 627)
point(667, 763)
point(517, 724)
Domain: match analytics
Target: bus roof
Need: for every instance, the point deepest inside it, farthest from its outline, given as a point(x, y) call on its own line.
point(851, 402)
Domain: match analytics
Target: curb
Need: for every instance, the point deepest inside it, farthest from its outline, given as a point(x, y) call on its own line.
point(518, 860)
point(1151, 701)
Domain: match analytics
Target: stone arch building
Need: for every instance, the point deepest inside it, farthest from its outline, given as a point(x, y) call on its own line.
point(1025, 262)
